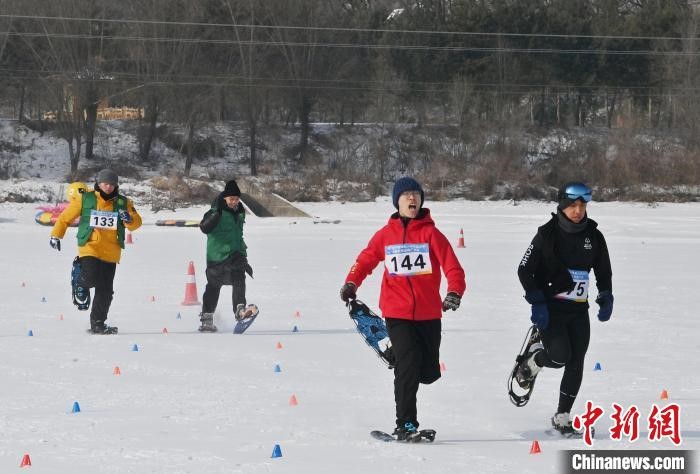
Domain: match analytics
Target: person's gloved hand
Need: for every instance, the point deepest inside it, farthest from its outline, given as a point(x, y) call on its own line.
point(348, 291)
point(55, 243)
point(220, 204)
point(451, 301)
point(605, 300)
point(125, 216)
point(540, 312)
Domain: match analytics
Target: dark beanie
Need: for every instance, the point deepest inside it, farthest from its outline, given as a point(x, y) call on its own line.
point(231, 189)
point(108, 176)
point(406, 184)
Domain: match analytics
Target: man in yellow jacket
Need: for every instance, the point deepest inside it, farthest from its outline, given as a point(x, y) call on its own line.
point(104, 215)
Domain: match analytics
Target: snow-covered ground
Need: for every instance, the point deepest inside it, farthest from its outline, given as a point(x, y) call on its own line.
point(213, 403)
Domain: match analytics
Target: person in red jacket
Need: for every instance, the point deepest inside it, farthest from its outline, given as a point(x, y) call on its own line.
point(414, 253)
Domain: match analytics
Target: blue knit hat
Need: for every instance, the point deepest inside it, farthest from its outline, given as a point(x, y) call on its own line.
point(406, 184)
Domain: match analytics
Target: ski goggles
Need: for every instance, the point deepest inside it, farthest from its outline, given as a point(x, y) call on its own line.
point(576, 191)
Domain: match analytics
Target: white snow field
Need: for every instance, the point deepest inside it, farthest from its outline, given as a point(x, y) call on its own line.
point(187, 402)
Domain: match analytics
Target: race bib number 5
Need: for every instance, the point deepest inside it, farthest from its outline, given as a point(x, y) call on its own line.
point(580, 292)
point(407, 259)
point(103, 219)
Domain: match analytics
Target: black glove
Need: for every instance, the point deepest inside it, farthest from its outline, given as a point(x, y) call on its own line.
point(220, 204)
point(125, 216)
point(540, 312)
point(348, 291)
point(451, 301)
point(605, 300)
point(55, 243)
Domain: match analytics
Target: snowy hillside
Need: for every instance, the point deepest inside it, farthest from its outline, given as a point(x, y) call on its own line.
point(187, 402)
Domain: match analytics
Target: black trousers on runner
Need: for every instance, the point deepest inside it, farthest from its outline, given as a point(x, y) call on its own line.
point(228, 272)
point(98, 274)
point(566, 342)
point(416, 346)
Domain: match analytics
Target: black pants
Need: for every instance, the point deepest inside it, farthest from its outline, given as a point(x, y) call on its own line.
point(566, 342)
point(416, 346)
point(229, 272)
point(98, 274)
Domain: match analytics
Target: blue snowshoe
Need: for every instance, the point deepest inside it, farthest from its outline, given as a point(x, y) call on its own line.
point(81, 294)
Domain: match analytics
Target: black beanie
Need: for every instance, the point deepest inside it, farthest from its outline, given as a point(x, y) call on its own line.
point(231, 189)
point(406, 184)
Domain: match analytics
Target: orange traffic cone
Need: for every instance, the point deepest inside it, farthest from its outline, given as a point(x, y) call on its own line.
point(117, 370)
point(279, 345)
point(190, 287)
point(26, 462)
point(297, 314)
point(129, 239)
point(664, 395)
point(460, 242)
point(165, 331)
point(535, 448)
point(293, 400)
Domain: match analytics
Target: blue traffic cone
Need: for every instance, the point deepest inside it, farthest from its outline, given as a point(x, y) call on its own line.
point(76, 408)
point(135, 348)
point(277, 368)
point(30, 333)
point(43, 299)
point(295, 329)
point(178, 316)
point(276, 451)
point(597, 366)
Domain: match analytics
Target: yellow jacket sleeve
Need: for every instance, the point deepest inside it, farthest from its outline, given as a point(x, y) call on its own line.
point(68, 215)
point(135, 216)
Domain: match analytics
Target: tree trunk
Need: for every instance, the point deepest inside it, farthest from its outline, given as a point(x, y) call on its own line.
point(148, 132)
point(90, 120)
point(304, 118)
point(75, 134)
point(253, 150)
point(610, 108)
point(558, 110)
point(22, 94)
point(190, 149)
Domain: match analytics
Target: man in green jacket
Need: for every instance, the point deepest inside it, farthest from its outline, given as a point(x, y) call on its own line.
point(227, 260)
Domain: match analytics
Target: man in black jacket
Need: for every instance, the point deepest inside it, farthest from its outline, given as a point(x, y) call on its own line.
point(555, 275)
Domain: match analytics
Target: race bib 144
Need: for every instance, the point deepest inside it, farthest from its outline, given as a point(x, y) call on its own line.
point(407, 259)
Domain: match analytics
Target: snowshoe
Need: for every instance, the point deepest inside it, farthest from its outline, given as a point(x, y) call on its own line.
point(373, 331)
point(244, 312)
point(562, 426)
point(81, 294)
point(207, 322)
point(521, 391)
point(103, 329)
point(245, 316)
point(405, 434)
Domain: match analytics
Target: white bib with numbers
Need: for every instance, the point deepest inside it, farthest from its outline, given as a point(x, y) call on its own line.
point(103, 219)
point(407, 259)
point(580, 292)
